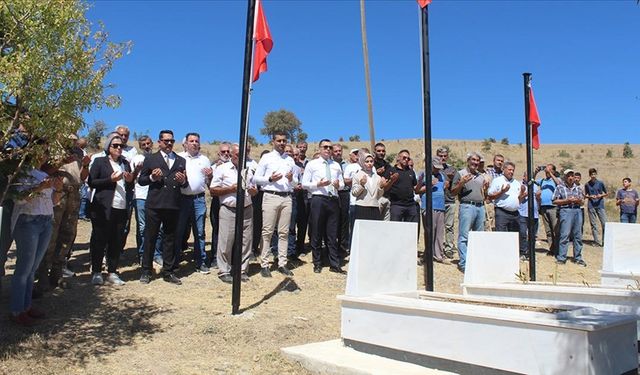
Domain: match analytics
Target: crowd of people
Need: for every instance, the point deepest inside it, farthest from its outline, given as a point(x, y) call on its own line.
point(290, 195)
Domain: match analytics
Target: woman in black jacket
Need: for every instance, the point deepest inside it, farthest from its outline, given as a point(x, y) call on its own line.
point(110, 177)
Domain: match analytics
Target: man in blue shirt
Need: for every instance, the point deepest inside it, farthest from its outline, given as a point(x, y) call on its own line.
point(549, 211)
point(627, 199)
point(439, 183)
point(595, 191)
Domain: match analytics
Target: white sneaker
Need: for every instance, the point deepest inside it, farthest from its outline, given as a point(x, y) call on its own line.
point(97, 279)
point(114, 279)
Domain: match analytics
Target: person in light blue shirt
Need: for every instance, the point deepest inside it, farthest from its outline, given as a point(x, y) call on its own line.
point(549, 211)
point(523, 216)
point(439, 183)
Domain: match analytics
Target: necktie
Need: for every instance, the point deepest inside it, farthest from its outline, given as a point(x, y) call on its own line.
point(328, 177)
point(166, 160)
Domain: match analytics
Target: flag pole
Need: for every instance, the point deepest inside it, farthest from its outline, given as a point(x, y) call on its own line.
point(426, 112)
point(367, 74)
point(236, 259)
point(531, 243)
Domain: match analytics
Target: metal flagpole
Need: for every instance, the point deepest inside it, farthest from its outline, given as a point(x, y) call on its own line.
point(244, 131)
point(426, 111)
point(530, 181)
point(367, 75)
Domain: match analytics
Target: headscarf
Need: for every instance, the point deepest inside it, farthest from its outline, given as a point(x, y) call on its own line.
point(362, 156)
point(110, 139)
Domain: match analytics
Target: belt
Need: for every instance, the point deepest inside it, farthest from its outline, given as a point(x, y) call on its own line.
point(332, 197)
point(477, 204)
point(279, 193)
point(344, 191)
point(570, 206)
point(200, 195)
point(507, 211)
point(233, 209)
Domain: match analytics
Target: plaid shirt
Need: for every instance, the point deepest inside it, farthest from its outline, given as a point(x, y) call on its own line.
point(564, 192)
point(493, 173)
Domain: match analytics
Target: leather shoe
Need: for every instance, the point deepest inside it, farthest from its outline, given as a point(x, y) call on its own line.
point(226, 279)
point(317, 269)
point(145, 278)
point(244, 277)
point(172, 278)
point(285, 271)
point(337, 270)
point(265, 272)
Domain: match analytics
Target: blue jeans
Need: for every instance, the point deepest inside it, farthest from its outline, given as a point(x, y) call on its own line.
point(140, 220)
point(32, 234)
point(597, 214)
point(291, 240)
point(84, 201)
point(194, 207)
point(570, 224)
point(627, 218)
point(470, 218)
point(524, 228)
point(5, 233)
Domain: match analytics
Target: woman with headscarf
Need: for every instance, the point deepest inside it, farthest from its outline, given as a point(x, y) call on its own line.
point(111, 179)
point(368, 188)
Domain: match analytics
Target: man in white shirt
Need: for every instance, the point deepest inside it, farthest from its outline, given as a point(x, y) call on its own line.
point(140, 197)
point(323, 179)
point(275, 173)
point(224, 155)
point(193, 206)
point(224, 186)
point(505, 191)
point(349, 171)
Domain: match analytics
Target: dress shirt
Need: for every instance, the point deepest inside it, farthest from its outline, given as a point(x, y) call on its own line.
point(274, 162)
point(129, 152)
point(120, 193)
point(169, 159)
point(226, 175)
point(349, 172)
point(343, 166)
point(140, 191)
point(509, 199)
point(315, 171)
point(195, 175)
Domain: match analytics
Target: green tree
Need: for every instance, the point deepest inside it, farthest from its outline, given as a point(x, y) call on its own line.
point(354, 138)
point(486, 144)
point(505, 141)
point(52, 68)
point(283, 121)
point(627, 152)
point(95, 134)
point(252, 140)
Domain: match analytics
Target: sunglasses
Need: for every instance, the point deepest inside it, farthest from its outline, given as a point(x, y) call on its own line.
point(406, 158)
point(168, 141)
point(225, 152)
point(117, 145)
point(325, 147)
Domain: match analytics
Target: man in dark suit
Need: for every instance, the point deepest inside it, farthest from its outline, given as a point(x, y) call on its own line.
point(164, 172)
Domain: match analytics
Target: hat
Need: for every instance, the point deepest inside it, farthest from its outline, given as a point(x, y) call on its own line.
point(437, 163)
point(354, 150)
point(567, 171)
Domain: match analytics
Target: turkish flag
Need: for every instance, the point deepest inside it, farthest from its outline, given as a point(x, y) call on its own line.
point(263, 42)
point(424, 3)
point(534, 120)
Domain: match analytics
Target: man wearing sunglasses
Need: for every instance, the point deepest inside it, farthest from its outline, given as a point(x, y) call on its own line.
point(164, 172)
point(401, 184)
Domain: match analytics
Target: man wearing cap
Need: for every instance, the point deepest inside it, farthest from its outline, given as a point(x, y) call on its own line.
point(349, 172)
point(504, 192)
point(449, 203)
point(65, 217)
point(438, 183)
point(469, 188)
point(569, 198)
point(548, 211)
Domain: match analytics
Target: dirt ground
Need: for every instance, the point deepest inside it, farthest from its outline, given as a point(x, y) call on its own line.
point(165, 329)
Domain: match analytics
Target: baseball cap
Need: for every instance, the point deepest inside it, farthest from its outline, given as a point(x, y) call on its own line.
point(354, 150)
point(437, 163)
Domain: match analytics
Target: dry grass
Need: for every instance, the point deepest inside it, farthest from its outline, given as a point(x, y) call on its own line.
point(164, 329)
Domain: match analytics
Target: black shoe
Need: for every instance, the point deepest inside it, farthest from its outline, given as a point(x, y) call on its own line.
point(561, 261)
point(581, 263)
point(285, 271)
point(226, 279)
point(337, 270)
point(172, 278)
point(244, 277)
point(317, 269)
point(145, 278)
point(460, 268)
point(265, 272)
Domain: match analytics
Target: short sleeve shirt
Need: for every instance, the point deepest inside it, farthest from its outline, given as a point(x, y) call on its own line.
point(594, 188)
point(629, 199)
point(472, 191)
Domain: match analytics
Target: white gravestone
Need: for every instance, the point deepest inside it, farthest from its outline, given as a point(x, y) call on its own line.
point(383, 258)
point(621, 254)
point(492, 257)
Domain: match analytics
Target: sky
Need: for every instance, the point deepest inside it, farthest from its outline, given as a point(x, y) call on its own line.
point(185, 69)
